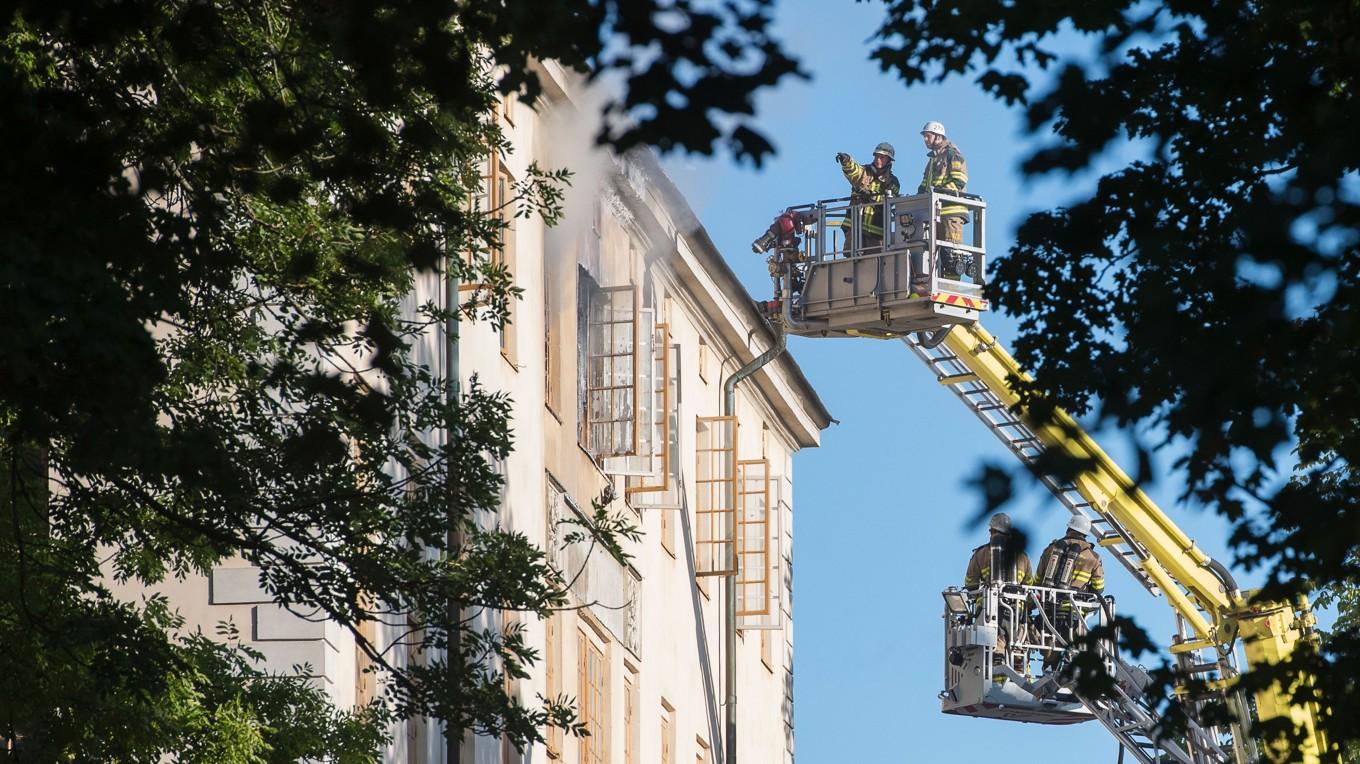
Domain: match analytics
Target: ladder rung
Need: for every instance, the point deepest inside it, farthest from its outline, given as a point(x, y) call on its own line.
point(1135, 727)
point(955, 379)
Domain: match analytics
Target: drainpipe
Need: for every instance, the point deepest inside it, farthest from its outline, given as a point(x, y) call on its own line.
point(453, 738)
point(730, 635)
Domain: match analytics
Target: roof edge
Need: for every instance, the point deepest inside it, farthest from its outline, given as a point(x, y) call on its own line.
point(693, 230)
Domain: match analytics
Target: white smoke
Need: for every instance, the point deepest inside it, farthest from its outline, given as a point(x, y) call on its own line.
point(569, 131)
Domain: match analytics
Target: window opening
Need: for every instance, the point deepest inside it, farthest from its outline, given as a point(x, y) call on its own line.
point(651, 466)
point(716, 502)
point(666, 493)
point(774, 614)
point(753, 537)
point(612, 378)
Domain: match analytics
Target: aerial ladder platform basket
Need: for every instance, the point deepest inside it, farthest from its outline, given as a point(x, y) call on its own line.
point(835, 278)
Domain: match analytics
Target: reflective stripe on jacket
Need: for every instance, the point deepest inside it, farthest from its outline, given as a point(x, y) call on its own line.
point(946, 170)
point(980, 568)
point(869, 184)
point(1084, 571)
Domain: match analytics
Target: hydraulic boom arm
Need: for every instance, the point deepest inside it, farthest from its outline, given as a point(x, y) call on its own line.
point(1207, 602)
point(908, 282)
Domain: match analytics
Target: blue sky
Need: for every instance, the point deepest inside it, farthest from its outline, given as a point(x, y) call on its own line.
point(881, 508)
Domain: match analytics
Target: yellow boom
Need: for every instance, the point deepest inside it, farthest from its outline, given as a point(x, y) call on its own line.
point(1199, 589)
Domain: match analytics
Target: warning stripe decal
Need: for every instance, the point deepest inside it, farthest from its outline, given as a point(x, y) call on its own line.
point(959, 300)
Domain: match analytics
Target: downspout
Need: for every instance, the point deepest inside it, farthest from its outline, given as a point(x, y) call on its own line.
point(730, 635)
point(452, 283)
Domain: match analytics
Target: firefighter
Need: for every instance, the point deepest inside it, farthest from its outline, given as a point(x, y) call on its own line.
point(945, 171)
point(997, 560)
point(873, 182)
point(1070, 563)
point(783, 240)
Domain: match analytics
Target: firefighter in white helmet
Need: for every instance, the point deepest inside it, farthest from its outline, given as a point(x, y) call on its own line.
point(945, 171)
point(1070, 563)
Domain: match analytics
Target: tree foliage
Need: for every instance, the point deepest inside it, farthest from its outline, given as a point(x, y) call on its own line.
point(1206, 290)
point(211, 213)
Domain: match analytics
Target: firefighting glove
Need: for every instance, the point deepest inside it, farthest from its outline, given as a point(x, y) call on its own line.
point(842, 158)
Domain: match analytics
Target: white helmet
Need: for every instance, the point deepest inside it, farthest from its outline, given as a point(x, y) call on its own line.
point(934, 127)
point(1079, 523)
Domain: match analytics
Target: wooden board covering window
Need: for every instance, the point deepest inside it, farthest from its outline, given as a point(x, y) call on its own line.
point(503, 254)
point(630, 730)
point(703, 754)
point(667, 532)
point(552, 660)
point(667, 733)
point(592, 686)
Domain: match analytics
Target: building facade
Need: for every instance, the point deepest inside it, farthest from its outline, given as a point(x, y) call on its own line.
point(615, 358)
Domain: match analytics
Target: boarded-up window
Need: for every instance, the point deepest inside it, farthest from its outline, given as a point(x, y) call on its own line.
point(716, 485)
point(592, 682)
point(552, 355)
point(509, 753)
point(552, 661)
point(630, 726)
point(500, 197)
point(365, 686)
point(668, 532)
point(753, 537)
point(703, 754)
point(612, 380)
point(667, 733)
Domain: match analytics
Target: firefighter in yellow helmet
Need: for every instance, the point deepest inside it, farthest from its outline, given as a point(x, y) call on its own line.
point(871, 182)
point(945, 171)
point(997, 560)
